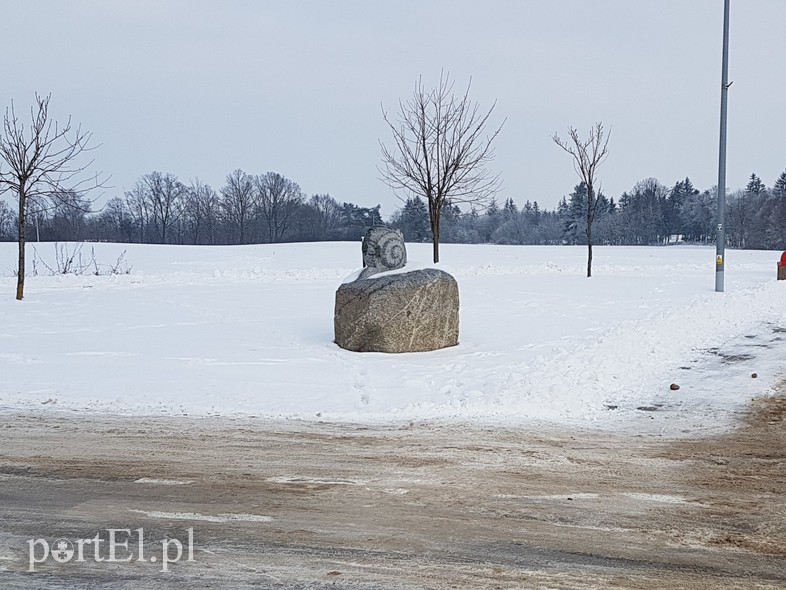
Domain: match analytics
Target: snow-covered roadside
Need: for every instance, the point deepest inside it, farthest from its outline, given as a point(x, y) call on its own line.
point(248, 330)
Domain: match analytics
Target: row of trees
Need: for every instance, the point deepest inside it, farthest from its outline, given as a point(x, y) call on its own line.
point(271, 208)
point(160, 209)
point(247, 209)
point(650, 213)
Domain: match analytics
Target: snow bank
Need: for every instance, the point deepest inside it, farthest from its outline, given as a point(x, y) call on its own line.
point(248, 330)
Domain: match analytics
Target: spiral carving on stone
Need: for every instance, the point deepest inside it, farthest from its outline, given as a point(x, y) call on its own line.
point(383, 249)
point(390, 250)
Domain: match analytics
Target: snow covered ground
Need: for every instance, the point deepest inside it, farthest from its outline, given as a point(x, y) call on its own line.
point(248, 330)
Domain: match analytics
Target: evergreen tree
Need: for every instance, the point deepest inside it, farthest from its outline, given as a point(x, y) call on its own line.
point(774, 215)
point(779, 188)
point(451, 224)
point(491, 221)
point(672, 211)
point(414, 222)
point(755, 186)
point(745, 219)
point(604, 206)
point(573, 221)
point(536, 212)
point(493, 209)
point(698, 215)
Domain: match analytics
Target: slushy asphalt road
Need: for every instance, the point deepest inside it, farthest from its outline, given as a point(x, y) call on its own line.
point(294, 505)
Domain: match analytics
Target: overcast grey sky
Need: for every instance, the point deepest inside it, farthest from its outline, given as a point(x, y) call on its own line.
point(200, 88)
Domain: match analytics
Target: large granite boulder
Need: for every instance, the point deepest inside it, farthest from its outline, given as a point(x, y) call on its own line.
point(411, 311)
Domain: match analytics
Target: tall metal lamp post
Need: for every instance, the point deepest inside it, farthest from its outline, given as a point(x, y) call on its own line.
point(720, 247)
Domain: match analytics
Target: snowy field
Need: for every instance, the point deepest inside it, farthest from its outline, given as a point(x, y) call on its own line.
point(247, 330)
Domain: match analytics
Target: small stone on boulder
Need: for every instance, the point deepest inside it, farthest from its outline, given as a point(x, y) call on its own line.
point(383, 250)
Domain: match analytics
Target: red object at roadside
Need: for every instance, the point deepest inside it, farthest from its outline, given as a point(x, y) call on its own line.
point(782, 268)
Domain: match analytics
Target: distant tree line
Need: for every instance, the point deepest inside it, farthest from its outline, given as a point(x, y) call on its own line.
point(160, 209)
point(265, 208)
point(650, 213)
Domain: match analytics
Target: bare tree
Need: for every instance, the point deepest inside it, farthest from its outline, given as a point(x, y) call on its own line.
point(165, 194)
point(588, 154)
point(39, 163)
point(239, 201)
point(329, 214)
point(117, 220)
point(201, 211)
point(69, 216)
point(279, 199)
point(440, 149)
point(139, 208)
